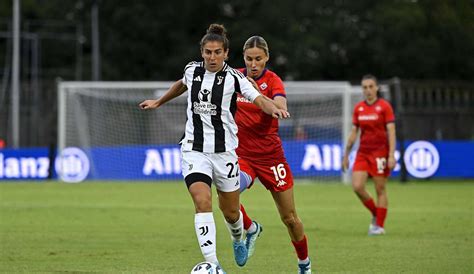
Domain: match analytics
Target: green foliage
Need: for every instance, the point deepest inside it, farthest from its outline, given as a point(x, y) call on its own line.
point(148, 228)
point(309, 40)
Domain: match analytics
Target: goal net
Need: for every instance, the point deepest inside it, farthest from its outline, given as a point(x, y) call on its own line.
point(103, 135)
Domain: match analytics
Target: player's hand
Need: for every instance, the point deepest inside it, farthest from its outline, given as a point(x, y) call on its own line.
point(345, 163)
point(391, 162)
point(280, 114)
point(254, 84)
point(149, 104)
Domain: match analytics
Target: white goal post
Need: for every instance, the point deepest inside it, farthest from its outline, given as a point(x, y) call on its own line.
point(103, 135)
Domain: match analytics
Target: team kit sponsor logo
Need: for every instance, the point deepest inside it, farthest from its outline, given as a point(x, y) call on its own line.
point(204, 106)
point(368, 117)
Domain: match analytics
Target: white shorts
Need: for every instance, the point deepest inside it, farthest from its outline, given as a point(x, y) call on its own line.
point(222, 168)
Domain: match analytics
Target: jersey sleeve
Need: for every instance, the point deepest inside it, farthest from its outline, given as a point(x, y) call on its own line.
point(389, 116)
point(278, 89)
point(355, 121)
point(186, 69)
point(247, 89)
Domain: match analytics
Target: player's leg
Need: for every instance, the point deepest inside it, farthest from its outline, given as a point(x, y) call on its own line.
point(226, 170)
point(277, 178)
point(247, 175)
point(286, 207)
point(382, 205)
point(199, 187)
point(359, 179)
point(379, 173)
point(360, 174)
point(253, 229)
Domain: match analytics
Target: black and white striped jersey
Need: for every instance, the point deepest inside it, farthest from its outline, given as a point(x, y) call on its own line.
point(212, 102)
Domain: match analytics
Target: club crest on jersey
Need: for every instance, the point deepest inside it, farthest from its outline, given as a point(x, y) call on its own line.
point(263, 86)
point(378, 108)
point(361, 109)
point(219, 79)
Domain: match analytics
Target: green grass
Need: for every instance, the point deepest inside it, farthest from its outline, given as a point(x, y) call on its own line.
point(148, 228)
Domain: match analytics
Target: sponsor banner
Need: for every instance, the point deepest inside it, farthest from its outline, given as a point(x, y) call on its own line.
point(24, 164)
point(307, 158)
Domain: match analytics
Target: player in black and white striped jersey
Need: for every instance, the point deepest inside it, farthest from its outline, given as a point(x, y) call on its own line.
point(210, 140)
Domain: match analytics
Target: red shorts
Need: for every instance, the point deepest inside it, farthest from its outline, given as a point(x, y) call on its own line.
point(375, 163)
point(274, 175)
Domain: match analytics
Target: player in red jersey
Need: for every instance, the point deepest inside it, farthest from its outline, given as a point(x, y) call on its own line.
point(261, 153)
point(375, 156)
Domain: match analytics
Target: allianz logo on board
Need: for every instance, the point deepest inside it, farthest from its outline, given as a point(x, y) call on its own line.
point(324, 157)
point(72, 166)
point(164, 162)
point(24, 167)
point(421, 159)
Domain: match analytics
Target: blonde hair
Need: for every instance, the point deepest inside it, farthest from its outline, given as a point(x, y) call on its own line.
point(257, 42)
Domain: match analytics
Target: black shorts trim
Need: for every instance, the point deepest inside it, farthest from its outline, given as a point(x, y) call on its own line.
point(197, 177)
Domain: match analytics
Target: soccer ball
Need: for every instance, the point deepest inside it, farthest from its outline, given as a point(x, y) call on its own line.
point(207, 268)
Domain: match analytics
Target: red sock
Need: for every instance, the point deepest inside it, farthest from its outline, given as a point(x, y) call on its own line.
point(301, 248)
point(381, 214)
point(247, 220)
point(370, 205)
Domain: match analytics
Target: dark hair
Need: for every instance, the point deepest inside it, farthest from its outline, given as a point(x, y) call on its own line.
point(215, 32)
point(372, 77)
point(257, 42)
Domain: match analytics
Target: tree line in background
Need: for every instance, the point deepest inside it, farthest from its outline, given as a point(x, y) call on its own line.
point(309, 40)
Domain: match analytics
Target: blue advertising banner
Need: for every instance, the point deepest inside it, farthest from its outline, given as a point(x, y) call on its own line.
point(423, 159)
point(24, 164)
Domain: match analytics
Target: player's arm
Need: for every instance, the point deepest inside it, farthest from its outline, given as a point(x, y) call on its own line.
point(278, 101)
point(269, 107)
point(174, 91)
point(350, 142)
point(391, 145)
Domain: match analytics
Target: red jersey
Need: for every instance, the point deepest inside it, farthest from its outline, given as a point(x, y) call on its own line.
point(258, 131)
point(372, 120)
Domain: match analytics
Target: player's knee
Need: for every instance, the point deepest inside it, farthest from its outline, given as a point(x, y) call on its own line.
point(380, 189)
point(202, 202)
point(358, 188)
point(231, 215)
point(291, 220)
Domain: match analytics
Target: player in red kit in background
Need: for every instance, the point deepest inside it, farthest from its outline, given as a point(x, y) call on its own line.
point(261, 153)
point(375, 156)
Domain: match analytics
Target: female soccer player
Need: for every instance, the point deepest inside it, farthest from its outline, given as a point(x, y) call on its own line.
point(261, 153)
point(375, 156)
point(210, 140)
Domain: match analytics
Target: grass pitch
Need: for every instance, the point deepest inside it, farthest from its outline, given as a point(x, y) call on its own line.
point(148, 228)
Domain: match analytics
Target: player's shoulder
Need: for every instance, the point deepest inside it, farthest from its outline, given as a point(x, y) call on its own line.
point(193, 64)
point(360, 104)
point(271, 74)
point(384, 103)
point(234, 72)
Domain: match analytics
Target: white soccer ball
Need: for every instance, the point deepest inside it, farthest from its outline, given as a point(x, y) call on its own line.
point(206, 268)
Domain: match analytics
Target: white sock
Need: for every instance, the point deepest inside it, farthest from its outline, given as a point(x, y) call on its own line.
point(252, 228)
point(206, 235)
point(305, 261)
point(236, 229)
